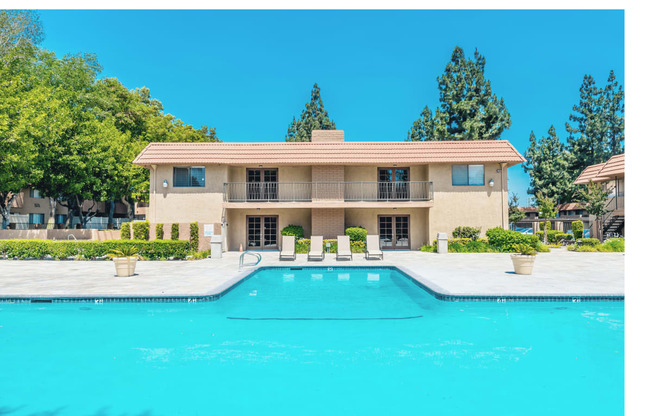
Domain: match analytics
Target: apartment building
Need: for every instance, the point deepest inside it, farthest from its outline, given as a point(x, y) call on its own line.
point(406, 192)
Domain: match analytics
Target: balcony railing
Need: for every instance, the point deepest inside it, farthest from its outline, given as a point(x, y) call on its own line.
point(327, 191)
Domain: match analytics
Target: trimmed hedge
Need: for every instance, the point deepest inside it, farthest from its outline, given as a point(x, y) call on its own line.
point(39, 249)
point(552, 235)
point(578, 229)
point(302, 246)
point(504, 240)
point(466, 232)
point(356, 234)
point(588, 242)
point(613, 245)
point(194, 236)
point(141, 230)
point(125, 231)
point(295, 230)
point(174, 232)
point(159, 231)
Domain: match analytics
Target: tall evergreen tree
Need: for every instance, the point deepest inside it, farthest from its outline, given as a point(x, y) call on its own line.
point(313, 117)
point(614, 114)
point(469, 110)
point(547, 163)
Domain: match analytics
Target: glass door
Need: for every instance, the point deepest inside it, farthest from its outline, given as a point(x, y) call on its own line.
point(394, 231)
point(262, 184)
point(393, 183)
point(262, 232)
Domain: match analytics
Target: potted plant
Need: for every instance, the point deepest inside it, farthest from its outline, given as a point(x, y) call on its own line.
point(523, 259)
point(125, 260)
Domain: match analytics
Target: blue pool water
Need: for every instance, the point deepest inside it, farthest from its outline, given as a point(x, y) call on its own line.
point(313, 342)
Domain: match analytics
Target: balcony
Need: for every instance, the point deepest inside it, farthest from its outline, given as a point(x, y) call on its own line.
point(414, 191)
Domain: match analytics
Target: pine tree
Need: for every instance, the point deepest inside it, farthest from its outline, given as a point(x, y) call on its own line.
point(313, 117)
point(613, 114)
point(469, 110)
point(547, 163)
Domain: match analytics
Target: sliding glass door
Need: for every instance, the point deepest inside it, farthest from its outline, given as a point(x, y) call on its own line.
point(262, 232)
point(394, 231)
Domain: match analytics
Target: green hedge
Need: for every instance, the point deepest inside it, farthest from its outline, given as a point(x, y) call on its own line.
point(125, 231)
point(194, 236)
point(141, 230)
point(552, 235)
point(39, 249)
point(504, 240)
point(295, 230)
point(578, 229)
point(159, 231)
point(588, 242)
point(466, 232)
point(174, 231)
point(616, 245)
point(303, 246)
point(356, 234)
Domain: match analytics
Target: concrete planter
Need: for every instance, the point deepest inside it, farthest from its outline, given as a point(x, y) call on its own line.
point(523, 264)
point(125, 266)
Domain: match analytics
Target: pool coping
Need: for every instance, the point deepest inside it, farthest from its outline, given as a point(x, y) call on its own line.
point(225, 287)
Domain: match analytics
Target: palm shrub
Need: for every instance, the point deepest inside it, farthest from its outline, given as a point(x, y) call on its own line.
point(295, 230)
point(578, 229)
point(159, 231)
point(141, 230)
point(356, 233)
point(466, 232)
point(174, 232)
point(194, 236)
point(125, 231)
point(525, 249)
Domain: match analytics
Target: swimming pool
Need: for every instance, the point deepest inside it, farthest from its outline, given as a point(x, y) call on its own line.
point(313, 341)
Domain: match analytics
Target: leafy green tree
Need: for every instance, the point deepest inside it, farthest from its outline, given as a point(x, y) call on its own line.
point(547, 211)
point(594, 197)
point(468, 108)
point(313, 117)
point(515, 214)
point(20, 32)
point(547, 162)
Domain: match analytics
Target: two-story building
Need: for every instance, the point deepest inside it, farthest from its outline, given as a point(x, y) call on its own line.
point(406, 192)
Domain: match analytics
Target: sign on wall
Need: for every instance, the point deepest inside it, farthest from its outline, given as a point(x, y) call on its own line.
point(208, 230)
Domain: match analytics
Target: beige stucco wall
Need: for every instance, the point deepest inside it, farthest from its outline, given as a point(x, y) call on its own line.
point(368, 218)
point(476, 206)
point(237, 220)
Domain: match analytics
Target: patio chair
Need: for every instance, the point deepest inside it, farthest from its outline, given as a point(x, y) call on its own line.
point(343, 247)
point(288, 248)
point(316, 248)
point(373, 248)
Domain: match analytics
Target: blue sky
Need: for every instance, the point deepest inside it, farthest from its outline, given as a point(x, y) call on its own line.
point(247, 73)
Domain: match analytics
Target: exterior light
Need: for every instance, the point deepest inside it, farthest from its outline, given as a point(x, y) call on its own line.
point(165, 183)
point(491, 183)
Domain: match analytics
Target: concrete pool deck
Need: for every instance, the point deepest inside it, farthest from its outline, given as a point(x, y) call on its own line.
point(558, 273)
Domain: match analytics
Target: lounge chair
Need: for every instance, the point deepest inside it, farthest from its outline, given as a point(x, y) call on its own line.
point(316, 248)
point(288, 248)
point(343, 247)
point(373, 248)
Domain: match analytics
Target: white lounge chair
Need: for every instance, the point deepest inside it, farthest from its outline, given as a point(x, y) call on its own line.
point(373, 248)
point(343, 247)
point(316, 248)
point(288, 248)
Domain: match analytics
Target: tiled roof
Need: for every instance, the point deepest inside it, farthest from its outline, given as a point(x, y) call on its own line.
point(528, 209)
point(601, 172)
point(570, 206)
point(346, 153)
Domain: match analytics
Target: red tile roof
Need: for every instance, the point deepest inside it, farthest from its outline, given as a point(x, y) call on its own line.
point(346, 153)
point(601, 172)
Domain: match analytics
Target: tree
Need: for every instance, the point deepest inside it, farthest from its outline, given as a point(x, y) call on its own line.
point(515, 214)
point(469, 110)
point(20, 32)
point(313, 117)
point(547, 162)
point(614, 115)
point(547, 210)
point(594, 197)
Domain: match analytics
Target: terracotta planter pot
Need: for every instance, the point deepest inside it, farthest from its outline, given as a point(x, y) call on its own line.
point(523, 264)
point(125, 266)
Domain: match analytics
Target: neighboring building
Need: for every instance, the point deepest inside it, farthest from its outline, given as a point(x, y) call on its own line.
point(406, 192)
point(567, 213)
point(611, 175)
point(30, 210)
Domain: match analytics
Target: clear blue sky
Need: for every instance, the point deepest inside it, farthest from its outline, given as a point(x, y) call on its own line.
point(247, 73)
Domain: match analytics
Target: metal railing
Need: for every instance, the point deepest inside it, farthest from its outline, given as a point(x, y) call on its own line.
point(243, 264)
point(319, 191)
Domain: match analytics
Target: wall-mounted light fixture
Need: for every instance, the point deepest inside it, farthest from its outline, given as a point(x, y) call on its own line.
point(491, 183)
point(498, 171)
point(165, 183)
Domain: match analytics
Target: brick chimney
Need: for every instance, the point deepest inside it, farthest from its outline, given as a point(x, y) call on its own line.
point(327, 136)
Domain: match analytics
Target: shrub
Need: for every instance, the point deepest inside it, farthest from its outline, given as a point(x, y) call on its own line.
point(578, 229)
point(356, 233)
point(552, 235)
point(302, 246)
point(466, 232)
point(467, 245)
point(141, 230)
point(503, 240)
point(525, 249)
point(159, 231)
point(588, 242)
point(194, 236)
point(295, 230)
point(198, 255)
point(428, 248)
point(156, 249)
point(614, 245)
point(563, 237)
point(174, 232)
point(125, 231)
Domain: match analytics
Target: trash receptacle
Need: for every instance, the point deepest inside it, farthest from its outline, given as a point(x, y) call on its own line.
point(442, 243)
point(216, 247)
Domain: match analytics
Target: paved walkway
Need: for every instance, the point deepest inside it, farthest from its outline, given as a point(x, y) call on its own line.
point(560, 273)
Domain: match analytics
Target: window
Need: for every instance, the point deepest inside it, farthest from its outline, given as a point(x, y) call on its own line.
point(34, 193)
point(60, 219)
point(37, 218)
point(192, 176)
point(467, 175)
